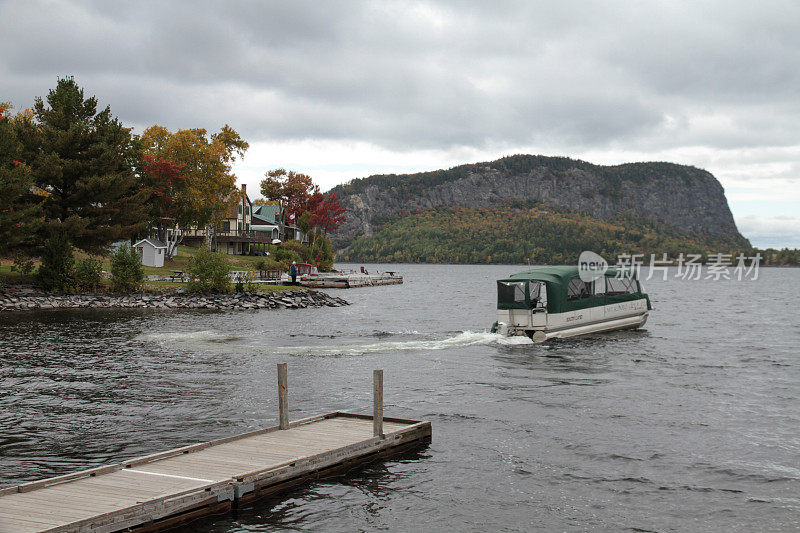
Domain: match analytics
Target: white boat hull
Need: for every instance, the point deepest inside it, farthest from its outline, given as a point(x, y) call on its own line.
point(543, 326)
point(631, 322)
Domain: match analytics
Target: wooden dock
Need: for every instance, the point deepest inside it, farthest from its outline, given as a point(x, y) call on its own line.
point(174, 487)
point(330, 280)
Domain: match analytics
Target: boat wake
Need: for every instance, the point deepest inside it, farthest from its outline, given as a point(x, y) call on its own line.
point(207, 339)
point(466, 338)
point(190, 337)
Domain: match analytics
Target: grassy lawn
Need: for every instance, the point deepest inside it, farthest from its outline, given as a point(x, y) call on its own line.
point(7, 276)
point(179, 262)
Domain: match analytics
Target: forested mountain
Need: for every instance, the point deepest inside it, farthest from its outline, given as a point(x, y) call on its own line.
point(679, 196)
point(665, 197)
point(515, 234)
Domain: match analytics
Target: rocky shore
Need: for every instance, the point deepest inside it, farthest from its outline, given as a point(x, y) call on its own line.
point(30, 299)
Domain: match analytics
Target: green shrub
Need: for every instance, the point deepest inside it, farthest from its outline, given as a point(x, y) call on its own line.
point(126, 269)
point(209, 272)
point(299, 248)
point(56, 272)
point(88, 273)
point(286, 255)
point(268, 264)
point(22, 264)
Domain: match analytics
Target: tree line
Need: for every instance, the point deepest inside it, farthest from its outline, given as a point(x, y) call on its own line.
point(71, 172)
point(72, 169)
point(540, 235)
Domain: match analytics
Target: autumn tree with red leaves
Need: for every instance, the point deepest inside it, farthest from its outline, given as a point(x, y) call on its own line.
point(298, 194)
point(328, 214)
point(168, 205)
point(295, 191)
point(208, 186)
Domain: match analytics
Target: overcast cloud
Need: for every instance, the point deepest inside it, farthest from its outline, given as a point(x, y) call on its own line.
point(345, 89)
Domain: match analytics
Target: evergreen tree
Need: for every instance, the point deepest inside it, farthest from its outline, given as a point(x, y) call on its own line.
point(57, 271)
point(126, 269)
point(19, 216)
point(84, 160)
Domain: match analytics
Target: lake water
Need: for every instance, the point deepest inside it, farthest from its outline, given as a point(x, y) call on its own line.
point(690, 424)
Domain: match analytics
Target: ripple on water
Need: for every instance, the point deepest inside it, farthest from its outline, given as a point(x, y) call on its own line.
point(690, 424)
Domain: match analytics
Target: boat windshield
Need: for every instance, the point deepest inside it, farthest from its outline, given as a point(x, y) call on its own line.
point(521, 295)
point(511, 294)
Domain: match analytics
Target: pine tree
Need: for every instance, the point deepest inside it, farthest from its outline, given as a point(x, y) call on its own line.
point(57, 271)
point(84, 160)
point(19, 215)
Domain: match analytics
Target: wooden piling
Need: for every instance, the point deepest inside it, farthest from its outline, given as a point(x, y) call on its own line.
point(283, 400)
point(377, 403)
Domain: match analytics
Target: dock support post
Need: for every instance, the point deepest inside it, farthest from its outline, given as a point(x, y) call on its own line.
point(377, 403)
point(283, 402)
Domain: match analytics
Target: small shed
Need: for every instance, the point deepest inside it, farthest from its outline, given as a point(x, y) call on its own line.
point(152, 252)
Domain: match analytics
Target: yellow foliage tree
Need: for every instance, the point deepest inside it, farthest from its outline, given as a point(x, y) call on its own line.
point(205, 163)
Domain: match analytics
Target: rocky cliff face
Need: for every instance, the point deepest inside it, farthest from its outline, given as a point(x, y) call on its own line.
point(683, 197)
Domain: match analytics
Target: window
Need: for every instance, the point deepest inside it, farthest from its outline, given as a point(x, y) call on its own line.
point(511, 293)
point(621, 286)
point(247, 210)
point(240, 209)
point(600, 287)
point(226, 226)
point(538, 294)
point(239, 225)
point(579, 289)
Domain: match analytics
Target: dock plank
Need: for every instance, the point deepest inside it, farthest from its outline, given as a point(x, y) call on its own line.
point(158, 489)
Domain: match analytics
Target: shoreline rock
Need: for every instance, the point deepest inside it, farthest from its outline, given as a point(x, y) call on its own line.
point(32, 300)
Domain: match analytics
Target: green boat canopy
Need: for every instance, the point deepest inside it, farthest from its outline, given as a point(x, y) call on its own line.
point(566, 291)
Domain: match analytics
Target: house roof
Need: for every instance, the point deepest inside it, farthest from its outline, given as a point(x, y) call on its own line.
point(264, 227)
point(152, 241)
point(268, 213)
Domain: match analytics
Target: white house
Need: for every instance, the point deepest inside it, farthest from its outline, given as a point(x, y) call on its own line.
point(152, 252)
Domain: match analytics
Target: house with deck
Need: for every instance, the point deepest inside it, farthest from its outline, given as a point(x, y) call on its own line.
point(247, 228)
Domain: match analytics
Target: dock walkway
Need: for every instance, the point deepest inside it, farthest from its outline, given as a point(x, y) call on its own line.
point(173, 487)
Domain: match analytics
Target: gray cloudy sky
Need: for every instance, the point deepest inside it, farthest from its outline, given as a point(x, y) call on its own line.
point(347, 89)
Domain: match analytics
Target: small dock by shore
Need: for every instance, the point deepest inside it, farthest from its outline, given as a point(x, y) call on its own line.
point(347, 280)
point(174, 487)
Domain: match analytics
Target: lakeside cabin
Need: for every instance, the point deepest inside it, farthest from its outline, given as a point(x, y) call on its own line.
point(247, 229)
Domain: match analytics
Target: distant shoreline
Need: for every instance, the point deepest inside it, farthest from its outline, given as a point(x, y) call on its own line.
point(514, 264)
